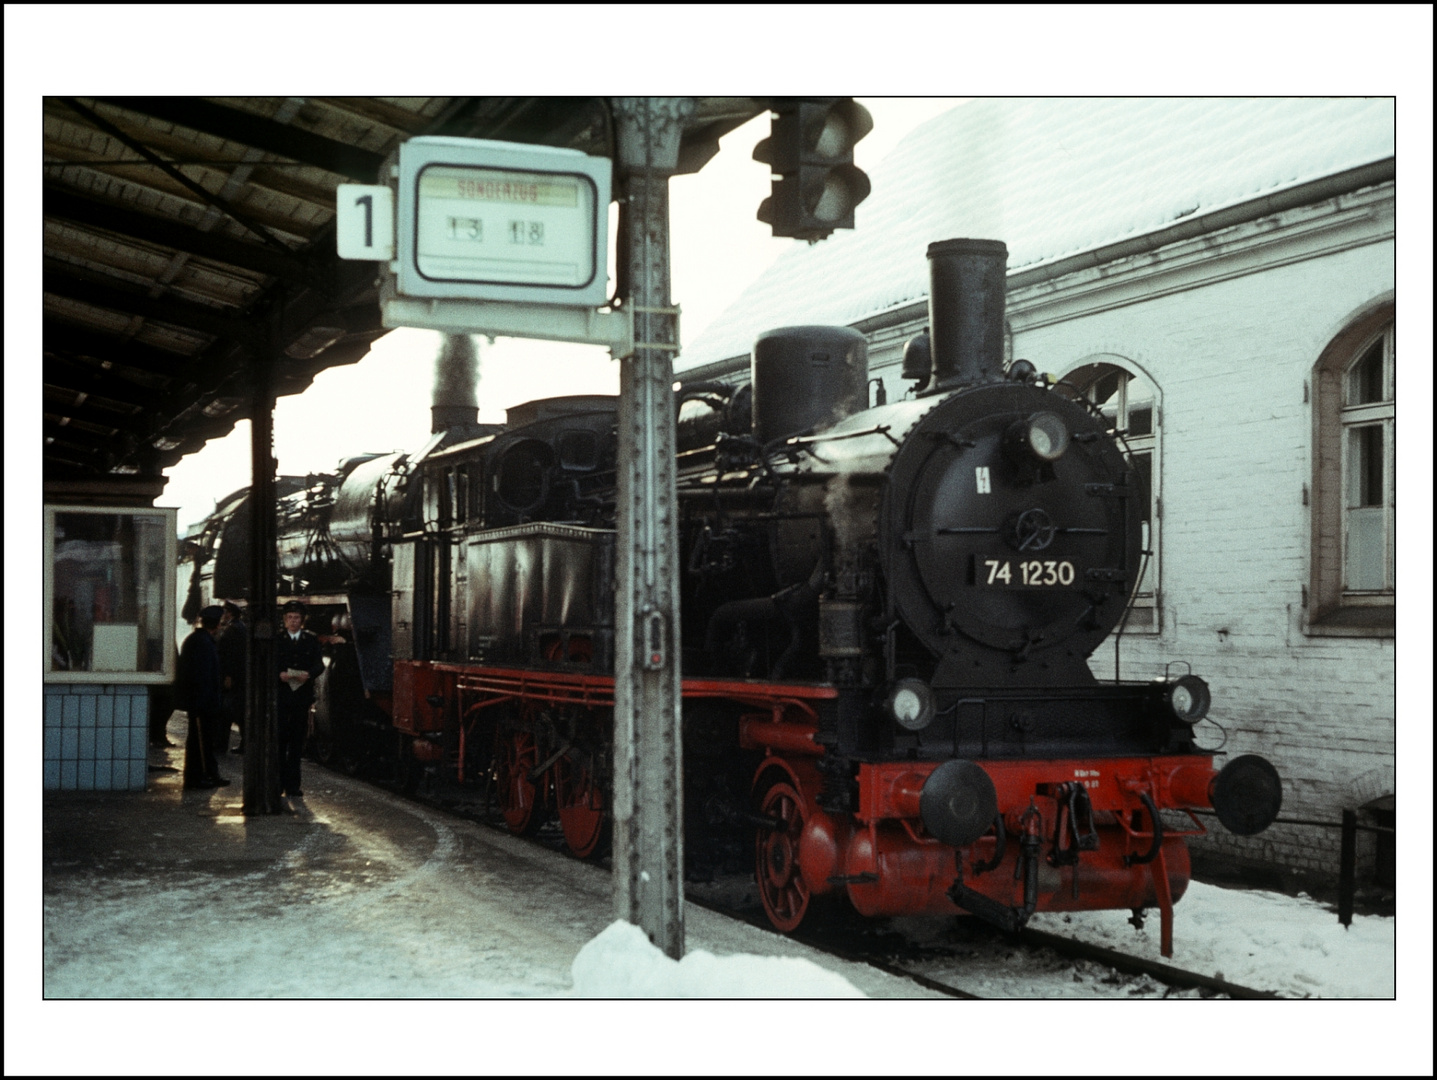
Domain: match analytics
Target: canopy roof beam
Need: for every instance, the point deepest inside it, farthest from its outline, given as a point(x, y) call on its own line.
point(147, 228)
point(206, 196)
point(224, 122)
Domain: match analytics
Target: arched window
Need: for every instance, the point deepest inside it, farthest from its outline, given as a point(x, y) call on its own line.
point(1353, 586)
point(1369, 412)
point(1130, 402)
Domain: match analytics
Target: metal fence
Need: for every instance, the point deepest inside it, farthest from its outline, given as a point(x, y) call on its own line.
point(1347, 860)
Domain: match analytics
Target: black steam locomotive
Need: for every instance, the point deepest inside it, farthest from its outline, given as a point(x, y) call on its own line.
point(887, 616)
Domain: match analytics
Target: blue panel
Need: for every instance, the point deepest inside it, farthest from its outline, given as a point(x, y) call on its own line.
point(103, 775)
point(67, 776)
point(87, 711)
point(52, 775)
point(54, 704)
point(52, 744)
point(69, 743)
point(85, 751)
point(105, 712)
point(105, 743)
point(85, 776)
point(122, 711)
point(137, 776)
point(71, 715)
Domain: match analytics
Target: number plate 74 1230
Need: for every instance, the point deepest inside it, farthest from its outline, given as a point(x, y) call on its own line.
point(1023, 573)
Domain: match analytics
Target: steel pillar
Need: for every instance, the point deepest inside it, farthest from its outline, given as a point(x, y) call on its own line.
point(261, 726)
point(648, 757)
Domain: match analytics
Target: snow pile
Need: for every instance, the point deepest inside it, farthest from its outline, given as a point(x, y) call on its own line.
point(1263, 940)
point(622, 963)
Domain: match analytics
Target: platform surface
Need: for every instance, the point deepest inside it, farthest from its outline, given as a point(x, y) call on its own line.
point(353, 893)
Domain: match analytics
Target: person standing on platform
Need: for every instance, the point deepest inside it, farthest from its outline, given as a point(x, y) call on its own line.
point(199, 689)
point(299, 661)
point(233, 639)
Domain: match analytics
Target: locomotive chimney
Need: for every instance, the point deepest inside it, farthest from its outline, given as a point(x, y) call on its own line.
point(456, 373)
point(968, 288)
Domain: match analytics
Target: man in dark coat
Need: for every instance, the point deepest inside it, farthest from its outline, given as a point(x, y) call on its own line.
point(300, 662)
point(232, 640)
point(198, 685)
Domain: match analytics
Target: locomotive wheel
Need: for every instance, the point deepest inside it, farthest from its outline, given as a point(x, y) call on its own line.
point(780, 885)
point(581, 802)
point(321, 747)
point(518, 795)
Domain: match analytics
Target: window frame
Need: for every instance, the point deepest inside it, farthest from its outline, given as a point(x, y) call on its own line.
point(1330, 607)
point(165, 618)
point(1353, 418)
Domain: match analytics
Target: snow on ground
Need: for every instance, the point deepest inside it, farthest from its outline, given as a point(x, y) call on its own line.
point(1291, 945)
point(622, 963)
point(1263, 940)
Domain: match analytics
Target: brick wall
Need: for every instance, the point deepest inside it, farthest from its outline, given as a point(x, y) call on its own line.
point(96, 737)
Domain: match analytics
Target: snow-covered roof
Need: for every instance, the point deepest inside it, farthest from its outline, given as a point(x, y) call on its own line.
point(1051, 178)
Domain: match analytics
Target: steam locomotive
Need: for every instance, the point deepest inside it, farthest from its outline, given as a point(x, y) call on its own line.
point(887, 614)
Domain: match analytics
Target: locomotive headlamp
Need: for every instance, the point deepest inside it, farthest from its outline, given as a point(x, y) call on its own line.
point(1047, 436)
point(911, 704)
point(1187, 697)
point(1043, 435)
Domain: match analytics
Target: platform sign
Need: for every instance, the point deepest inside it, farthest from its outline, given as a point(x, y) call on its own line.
point(364, 221)
point(484, 220)
point(511, 228)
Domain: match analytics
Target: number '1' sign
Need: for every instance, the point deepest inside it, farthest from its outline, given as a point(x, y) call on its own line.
point(364, 221)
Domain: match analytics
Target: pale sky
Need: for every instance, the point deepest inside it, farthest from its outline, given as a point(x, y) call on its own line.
point(382, 403)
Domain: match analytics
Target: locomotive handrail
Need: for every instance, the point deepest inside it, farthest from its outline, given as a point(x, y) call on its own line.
point(578, 688)
point(877, 429)
point(1157, 834)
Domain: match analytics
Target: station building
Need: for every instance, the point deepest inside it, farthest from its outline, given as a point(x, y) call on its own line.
point(1219, 277)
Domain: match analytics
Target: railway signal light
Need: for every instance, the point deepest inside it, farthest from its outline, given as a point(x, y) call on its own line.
point(809, 149)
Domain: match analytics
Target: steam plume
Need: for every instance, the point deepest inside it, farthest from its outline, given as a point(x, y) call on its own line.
point(456, 378)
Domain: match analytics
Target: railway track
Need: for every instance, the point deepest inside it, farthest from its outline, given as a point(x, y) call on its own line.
point(958, 957)
point(1137, 965)
point(934, 953)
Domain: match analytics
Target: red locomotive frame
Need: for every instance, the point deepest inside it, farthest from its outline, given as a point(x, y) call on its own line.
point(881, 856)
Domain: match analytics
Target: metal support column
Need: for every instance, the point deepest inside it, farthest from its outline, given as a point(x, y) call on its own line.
point(261, 728)
point(648, 759)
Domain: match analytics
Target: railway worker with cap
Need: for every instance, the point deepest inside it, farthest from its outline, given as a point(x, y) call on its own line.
point(233, 635)
point(300, 663)
point(198, 684)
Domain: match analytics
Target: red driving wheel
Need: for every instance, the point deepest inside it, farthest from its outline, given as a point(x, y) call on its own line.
point(580, 800)
point(518, 794)
point(780, 884)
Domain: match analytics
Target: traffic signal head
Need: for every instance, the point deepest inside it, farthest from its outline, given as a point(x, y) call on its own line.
point(810, 152)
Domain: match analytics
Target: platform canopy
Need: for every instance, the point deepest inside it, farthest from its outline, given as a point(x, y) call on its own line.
point(186, 237)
